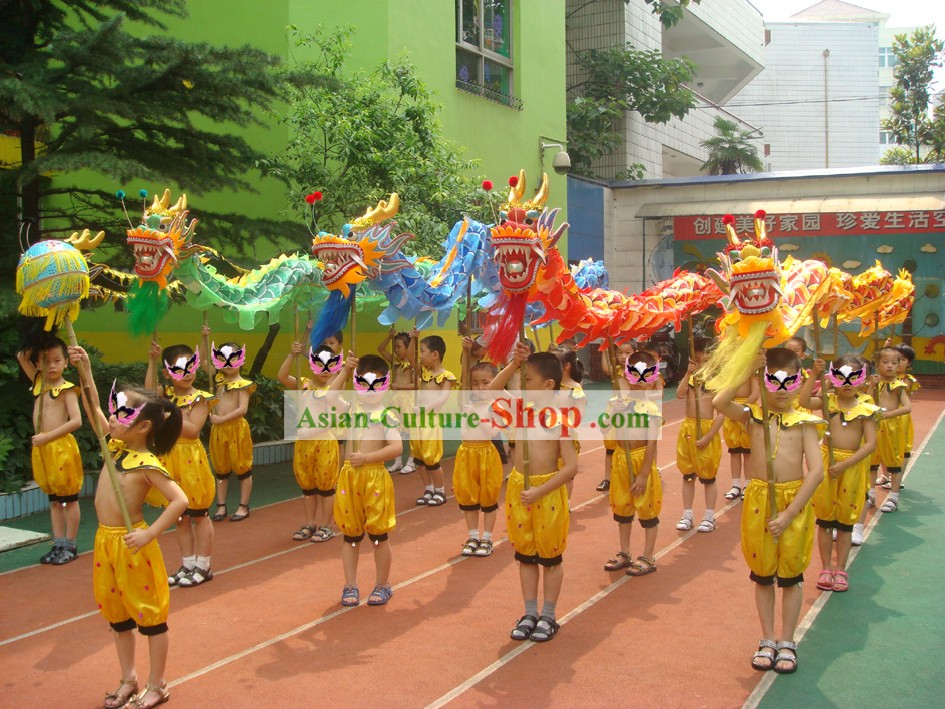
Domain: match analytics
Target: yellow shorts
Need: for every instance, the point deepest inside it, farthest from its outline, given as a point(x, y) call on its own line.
point(477, 476)
point(910, 435)
point(538, 532)
point(736, 436)
point(130, 589)
point(890, 444)
point(610, 441)
point(787, 557)
point(364, 503)
point(426, 446)
point(691, 460)
point(57, 468)
point(315, 464)
point(188, 465)
point(231, 448)
point(623, 504)
point(838, 501)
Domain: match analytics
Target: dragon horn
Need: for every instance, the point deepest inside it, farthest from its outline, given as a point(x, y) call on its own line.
point(160, 205)
point(729, 221)
point(518, 190)
point(181, 205)
point(542, 196)
point(83, 242)
point(383, 210)
point(761, 231)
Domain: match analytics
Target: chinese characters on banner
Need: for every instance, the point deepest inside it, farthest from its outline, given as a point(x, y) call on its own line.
point(817, 224)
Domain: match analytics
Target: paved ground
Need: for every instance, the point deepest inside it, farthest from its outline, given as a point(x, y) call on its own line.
point(269, 630)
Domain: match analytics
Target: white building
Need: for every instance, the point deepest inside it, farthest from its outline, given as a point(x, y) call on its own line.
point(725, 38)
point(825, 88)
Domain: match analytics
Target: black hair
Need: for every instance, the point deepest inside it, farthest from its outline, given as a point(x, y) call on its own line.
point(403, 337)
point(887, 348)
point(849, 360)
point(339, 335)
point(166, 421)
point(435, 343)
point(862, 361)
point(906, 351)
point(232, 345)
point(781, 358)
point(487, 366)
point(51, 344)
point(174, 352)
point(548, 366)
point(800, 341)
point(569, 357)
point(643, 356)
point(373, 363)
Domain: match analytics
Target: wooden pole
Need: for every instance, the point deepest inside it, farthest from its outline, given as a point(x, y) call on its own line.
point(41, 374)
point(466, 362)
point(354, 340)
point(208, 357)
point(615, 385)
point(298, 358)
point(823, 392)
point(100, 434)
point(694, 384)
point(769, 461)
point(524, 432)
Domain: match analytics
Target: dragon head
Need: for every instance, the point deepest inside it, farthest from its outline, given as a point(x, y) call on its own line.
point(521, 241)
point(159, 239)
point(363, 250)
point(750, 269)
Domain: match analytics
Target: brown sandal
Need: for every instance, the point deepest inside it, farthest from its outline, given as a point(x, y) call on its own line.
point(116, 699)
point(620, 561)
point(304, 532)
point(163, 696)
point(642, 566)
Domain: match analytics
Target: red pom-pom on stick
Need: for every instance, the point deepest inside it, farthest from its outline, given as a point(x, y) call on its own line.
point(317, 195)
point(760, 214)
point(513, 181)
point(728, 219)
point(310, 199)
point(487, 185)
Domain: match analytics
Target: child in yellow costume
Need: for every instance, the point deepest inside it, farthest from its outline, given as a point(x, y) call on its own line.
point(57, 464)
point(316, 453)
point(892, 395)
point(396, 349)
point(698, 451)
point(477, 470)
point(231, 442)
point(187, 461)
point(128, 574)
point(572, 375)
point(610, 442)
point(778, 549)
point(841, 497)
point(426, 442)
point(537, 517)
point(636, 491)
point(907, 357)
point(365, 500)
point(735, 435)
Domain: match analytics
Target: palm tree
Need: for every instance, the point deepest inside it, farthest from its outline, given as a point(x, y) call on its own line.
point(730, 151)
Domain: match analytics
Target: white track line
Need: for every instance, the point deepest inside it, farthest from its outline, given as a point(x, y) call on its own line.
point(268, 557)
point(754, 699)
point(526, 646)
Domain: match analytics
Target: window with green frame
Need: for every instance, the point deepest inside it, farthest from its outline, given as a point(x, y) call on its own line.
point(484, 49)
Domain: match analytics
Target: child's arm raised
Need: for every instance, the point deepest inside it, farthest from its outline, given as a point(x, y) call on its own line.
point(176, 504)
point(519, 355)
point(80, 358)
point(29, 369)
point(351, 364)
point(682, 389)
point(805, 396)
point(286, 379)
point(383, 350)
point(151, 376)
point(815, 473)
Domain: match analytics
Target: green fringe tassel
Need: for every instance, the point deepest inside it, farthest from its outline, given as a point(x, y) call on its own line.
point(147, 304)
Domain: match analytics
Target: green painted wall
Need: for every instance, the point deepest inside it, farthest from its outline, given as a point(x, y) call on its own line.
point(502, 139)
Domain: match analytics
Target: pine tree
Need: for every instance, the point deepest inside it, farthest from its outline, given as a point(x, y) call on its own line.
point(81, 92)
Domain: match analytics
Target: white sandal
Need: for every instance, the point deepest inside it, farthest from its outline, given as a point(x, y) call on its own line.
point(706, 526)
point(684, 524)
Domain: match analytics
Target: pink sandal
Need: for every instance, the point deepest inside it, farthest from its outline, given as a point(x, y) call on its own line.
point(826, 581)
point(840, 581)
